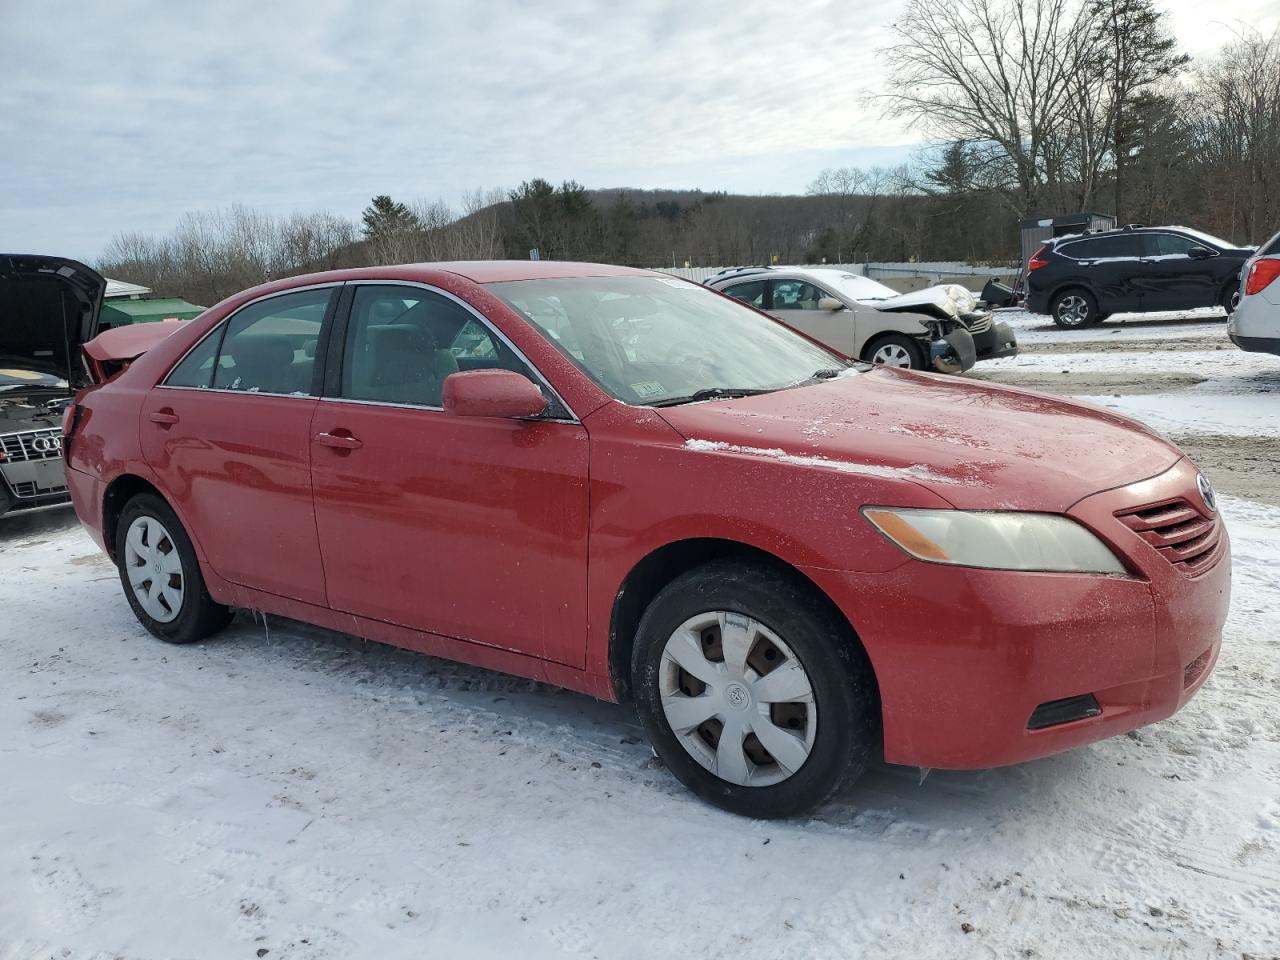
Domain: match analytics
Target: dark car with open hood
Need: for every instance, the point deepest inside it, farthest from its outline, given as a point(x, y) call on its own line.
point(49, 307)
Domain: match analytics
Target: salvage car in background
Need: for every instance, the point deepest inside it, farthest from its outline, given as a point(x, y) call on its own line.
point(1255, 324)
point(1082, 279)
point(939, 328)
point(625, 484)
point(49, 307)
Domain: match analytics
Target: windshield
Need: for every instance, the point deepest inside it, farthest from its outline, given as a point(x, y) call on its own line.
point(1208, 238)
point(864, 288)
point(656, 340)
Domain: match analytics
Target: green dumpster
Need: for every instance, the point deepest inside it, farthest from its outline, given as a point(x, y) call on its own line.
point(119, 313)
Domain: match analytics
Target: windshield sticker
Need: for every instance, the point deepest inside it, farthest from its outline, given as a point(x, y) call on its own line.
point(22, 374)
point(648, 389)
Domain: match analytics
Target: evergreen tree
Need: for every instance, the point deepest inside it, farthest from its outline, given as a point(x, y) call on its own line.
point(385, 218)
point(1135, 52)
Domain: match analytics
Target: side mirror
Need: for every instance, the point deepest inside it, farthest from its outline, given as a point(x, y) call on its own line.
point(492, 393)
point(1200, 253)
point(830, 303)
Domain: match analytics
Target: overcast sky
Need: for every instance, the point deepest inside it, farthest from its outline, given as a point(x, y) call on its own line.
point(119, 116)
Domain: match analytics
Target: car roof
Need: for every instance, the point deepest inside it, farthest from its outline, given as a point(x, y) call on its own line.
point(477, 271)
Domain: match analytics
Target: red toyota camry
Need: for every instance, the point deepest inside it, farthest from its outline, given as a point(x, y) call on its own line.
point(632, 486)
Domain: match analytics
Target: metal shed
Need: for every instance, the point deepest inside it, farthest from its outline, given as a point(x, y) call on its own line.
point(1036, 230)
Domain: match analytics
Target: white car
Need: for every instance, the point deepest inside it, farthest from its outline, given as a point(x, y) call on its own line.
point(938, 328)
point(1255, 323)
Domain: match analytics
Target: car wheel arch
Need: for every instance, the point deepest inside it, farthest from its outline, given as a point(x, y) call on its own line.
point(664, 564)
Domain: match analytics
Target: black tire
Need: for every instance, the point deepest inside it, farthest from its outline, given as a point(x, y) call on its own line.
point(909, 345)
point(1231, 298)
point(199, 616)
point(1074, 308)
point(843, 685)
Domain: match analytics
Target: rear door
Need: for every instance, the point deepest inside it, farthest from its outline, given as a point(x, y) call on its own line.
point(228, 433)
point(1112, 268)
point(467, 527)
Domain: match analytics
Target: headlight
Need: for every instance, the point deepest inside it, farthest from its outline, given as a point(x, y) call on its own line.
point(996, 540)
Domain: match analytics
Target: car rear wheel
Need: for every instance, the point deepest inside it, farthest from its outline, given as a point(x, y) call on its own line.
point(1074, 308)
point(161, 575)
point(1231, 299)
point(754, 694)
point(895, 350)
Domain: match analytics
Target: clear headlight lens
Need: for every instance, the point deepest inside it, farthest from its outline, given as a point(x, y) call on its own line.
point(996, 540)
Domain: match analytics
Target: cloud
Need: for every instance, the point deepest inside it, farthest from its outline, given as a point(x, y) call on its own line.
point(120, 116)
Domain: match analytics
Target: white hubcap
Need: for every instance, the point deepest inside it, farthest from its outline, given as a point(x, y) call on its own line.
point(154, 568)
point(892, 355)
point(738, 700)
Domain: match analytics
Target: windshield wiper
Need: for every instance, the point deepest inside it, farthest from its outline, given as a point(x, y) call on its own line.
point(714, 393)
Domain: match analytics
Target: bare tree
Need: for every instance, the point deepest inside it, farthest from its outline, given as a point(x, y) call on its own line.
point(998, 71)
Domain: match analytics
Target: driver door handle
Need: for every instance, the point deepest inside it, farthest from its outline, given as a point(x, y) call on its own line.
point(338, 441)
point(165, 416)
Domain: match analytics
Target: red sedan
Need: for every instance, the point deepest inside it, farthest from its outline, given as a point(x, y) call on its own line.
point(632, 486)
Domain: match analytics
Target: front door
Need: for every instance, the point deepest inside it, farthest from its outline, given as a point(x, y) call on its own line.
point(796, 303)
point(228, 432)
point(468, 527)
point(1174, 280)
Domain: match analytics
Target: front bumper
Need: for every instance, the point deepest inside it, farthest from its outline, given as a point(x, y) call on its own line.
point(959, 350)
point(964, 657)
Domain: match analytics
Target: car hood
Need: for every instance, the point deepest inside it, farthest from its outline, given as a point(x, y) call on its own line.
point(978, 446)
point(948, 301)
point(49, 307)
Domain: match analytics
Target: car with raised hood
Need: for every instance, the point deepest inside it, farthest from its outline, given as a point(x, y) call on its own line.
point(938, 328)
point(1255, 324)
point(628, 485)
point(1082, 279)
point(49, 307)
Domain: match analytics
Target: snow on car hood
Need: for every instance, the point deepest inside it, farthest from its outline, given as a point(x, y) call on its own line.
point(976, 445)
point(947, 301)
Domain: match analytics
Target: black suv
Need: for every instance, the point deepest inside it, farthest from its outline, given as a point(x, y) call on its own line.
point(1081, 280)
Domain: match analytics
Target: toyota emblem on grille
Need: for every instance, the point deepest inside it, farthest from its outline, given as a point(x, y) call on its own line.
point(46, 444)
point(1206, 492)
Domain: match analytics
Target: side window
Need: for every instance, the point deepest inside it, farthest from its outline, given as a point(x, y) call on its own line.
point(752, 292)
point(196, 368)
point(795, 295)
point(1169, 244)
point(1098, 248)
point(269, 346)
point(402, 342)
point(473, 342)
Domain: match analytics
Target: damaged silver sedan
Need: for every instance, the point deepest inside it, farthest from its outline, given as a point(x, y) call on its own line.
point(939, 328)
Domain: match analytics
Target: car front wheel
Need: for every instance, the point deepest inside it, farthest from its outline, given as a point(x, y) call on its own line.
point(161, 574)
point(753, 692)
point(895, 350)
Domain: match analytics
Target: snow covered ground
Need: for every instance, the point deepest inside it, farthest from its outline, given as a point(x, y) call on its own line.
point(289, 790)
point(294, 794)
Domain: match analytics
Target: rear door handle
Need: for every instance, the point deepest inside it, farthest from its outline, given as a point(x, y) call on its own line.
point(339, 441)
point(165, 416)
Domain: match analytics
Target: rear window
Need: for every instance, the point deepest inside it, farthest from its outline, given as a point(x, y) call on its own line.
point(1272, 247)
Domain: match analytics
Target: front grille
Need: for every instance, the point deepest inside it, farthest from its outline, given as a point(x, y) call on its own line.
point(1180, 532)
point(31, 445)
point(979, 324)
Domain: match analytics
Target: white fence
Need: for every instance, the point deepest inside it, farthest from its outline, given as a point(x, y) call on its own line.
point(935, 272)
